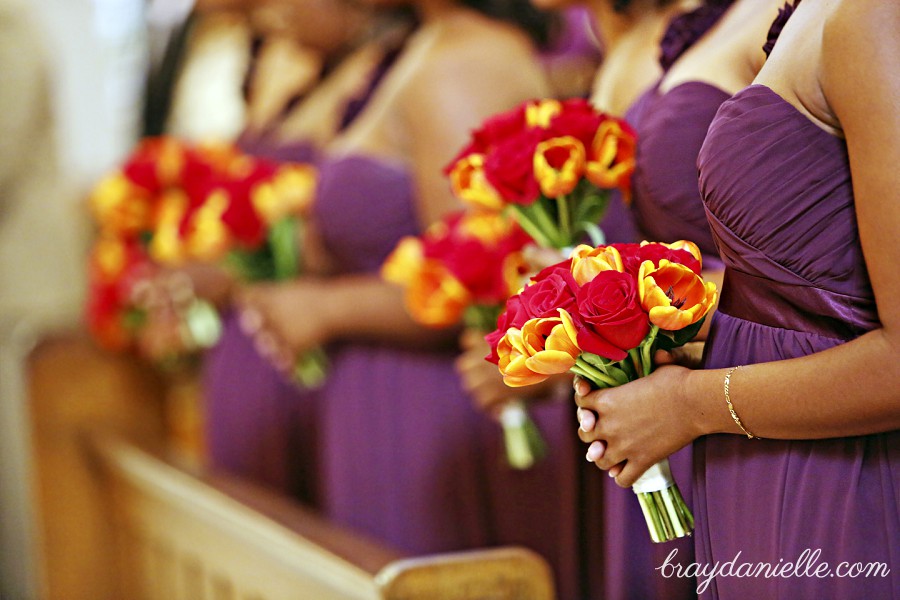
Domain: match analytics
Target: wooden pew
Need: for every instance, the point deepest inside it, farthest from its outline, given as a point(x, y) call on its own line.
point(185, 534)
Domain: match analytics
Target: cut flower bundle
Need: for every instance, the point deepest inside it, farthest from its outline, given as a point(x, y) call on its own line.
point(463, 269)
point(172, 203)
point(601, 314)
point(549, 163)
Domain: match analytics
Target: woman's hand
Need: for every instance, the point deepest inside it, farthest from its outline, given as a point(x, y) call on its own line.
point(632, 427)
point(689, 355)
point(484, 383)
point(284, 319)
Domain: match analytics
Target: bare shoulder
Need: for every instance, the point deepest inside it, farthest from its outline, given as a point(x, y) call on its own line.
point(476, 53)
point(856, 27)
point(861, 54)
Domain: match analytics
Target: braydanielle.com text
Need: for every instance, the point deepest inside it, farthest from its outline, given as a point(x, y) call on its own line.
point(806, 565)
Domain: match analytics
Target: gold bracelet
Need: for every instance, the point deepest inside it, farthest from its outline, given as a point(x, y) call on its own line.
point(734, 415)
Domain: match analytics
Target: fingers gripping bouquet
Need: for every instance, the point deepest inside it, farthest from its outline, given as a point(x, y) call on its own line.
point(551, 164)
point(463, 269)
point(172, 203)
point(600, 315)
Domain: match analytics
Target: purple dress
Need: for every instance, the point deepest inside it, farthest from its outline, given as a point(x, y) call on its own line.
point(667, 207)
point(259, 424)
point(779, 197)
point(400, 456)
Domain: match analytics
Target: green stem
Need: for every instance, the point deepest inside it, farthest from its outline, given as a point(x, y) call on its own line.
point(647, 349)
point(594, 374)
point(285, 257)
point(543, 219)
point(565, 219)
point(530, 227)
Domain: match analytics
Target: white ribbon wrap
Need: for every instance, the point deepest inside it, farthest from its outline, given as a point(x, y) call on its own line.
point(656, 478)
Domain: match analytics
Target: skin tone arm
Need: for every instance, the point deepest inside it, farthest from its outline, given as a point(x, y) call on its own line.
point(848, 390)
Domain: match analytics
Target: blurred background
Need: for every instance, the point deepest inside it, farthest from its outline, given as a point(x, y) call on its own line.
point(81, 81)
point(72, 82)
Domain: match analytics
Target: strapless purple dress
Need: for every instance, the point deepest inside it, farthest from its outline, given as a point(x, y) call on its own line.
point(400, 455)
point(779, 197)
point(258, 424)
point(667, 207)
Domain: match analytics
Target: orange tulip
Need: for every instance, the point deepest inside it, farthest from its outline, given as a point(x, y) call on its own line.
point(167, 246)
point(543, 347)
point(611, 159)
point(404, 262)
point(109, 257)
point(469, 184)
point(559, 165)
point(208, 237)
point(685, 245)
point(588, 261)
point(290, 192)
point(673, 295)
point(120, 206)
point(488, 227)
point(434, 297)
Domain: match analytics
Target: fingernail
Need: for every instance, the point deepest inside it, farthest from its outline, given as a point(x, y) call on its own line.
point(587, 421)
point(611, 474)
point(249, 321)
point(594, 452)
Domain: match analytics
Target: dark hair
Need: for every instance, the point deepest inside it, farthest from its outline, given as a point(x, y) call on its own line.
point(539, 25)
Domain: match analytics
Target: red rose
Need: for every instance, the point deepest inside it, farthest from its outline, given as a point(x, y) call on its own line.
point(509, 168)
point(513, 316)
point(500, 127)
point(241, 218)
point(577, 119)
point(610, 320)
point(491, 133)
point(552, 288)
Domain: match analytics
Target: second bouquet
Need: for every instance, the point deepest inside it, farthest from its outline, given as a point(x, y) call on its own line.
point(601, 314)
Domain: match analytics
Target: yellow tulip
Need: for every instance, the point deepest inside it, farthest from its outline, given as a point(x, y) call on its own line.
point(208, 238)
point(485, 226)
point(166, 245)
point(685, 245)
point(469, 184)
point(673, 295)
point(290, 192)
point(539, 114)
point(119, 206)
point(588, 261)
point(404, 263)
point(543, 347)
point(611, 159)
point(559, 177)
point(435, 297)
point(109, 257)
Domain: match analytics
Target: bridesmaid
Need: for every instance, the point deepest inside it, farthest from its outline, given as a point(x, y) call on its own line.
point(258, 423)
point(566, 526)
point(705, 55)
point(400, 455)
point(798, 177)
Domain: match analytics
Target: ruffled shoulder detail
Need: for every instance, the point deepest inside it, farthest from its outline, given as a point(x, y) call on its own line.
point(778, 24)
point(687, 28)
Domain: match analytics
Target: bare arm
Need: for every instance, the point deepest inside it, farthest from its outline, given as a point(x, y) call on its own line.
point(852, 389)
point(465, 82)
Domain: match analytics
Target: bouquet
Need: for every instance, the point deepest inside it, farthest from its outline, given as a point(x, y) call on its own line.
point(172, 203)
point(601, 314)
point(551, 164)
point(464, 268)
